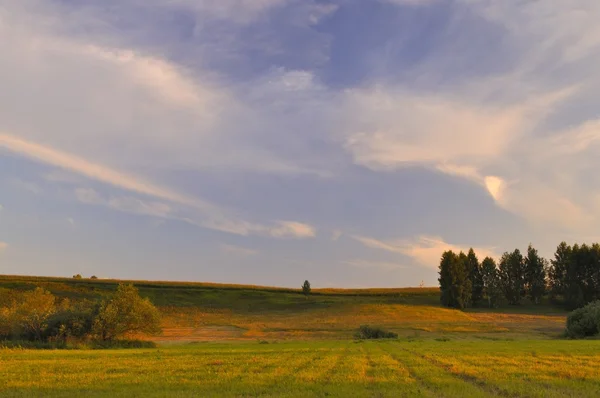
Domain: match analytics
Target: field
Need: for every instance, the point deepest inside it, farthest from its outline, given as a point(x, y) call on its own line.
point(336, 369)
point(225, 340)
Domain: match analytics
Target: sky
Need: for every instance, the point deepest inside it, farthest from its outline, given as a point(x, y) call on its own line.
point(347, 142)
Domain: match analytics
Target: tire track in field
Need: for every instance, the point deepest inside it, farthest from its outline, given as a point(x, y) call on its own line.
point(430, 390)
point(473, 380)
point(551, 389)
point(338, 362)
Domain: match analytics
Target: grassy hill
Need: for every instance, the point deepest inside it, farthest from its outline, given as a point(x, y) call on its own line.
point(219, 312)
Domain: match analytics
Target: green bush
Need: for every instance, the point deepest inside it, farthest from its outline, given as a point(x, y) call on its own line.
point(366, 332)
point(584, 322)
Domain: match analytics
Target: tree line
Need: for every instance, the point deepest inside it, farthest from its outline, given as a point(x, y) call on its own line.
point(571, 278)
point(38, 315)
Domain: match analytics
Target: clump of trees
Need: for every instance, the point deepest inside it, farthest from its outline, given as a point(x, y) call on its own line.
point(40, 316)
point(571, 278)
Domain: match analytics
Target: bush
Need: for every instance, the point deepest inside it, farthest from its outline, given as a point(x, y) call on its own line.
point(584, 322)
point(366, 332)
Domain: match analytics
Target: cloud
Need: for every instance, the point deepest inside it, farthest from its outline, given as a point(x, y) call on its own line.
point(216, 221)
point(125, 204)
point(374, 264)
point(292, 229)
point(92, 170)
point(425, 250)
point(3, 246)
point(238, 250)
point(335, 235)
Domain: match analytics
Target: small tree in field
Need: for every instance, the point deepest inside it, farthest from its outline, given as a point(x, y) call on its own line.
point(126, 312)
point(306, 288)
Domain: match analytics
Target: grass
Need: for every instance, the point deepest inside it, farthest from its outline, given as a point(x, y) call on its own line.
point(300, 369)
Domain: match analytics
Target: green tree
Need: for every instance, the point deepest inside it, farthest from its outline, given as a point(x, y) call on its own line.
point(557, 273)
point(306, 288)
point(492, 287)
point(512, 270)
point(455, 286)
point(126, 312)
point(30, 316)
point(77, 276)
point(534, 275)
point(475, 277)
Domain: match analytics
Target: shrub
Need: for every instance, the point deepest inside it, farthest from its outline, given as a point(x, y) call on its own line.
point(584, 322)
point(366, 332)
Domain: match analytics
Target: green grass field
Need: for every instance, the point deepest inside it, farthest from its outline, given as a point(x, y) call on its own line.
point(237, 341)
point(336, 369)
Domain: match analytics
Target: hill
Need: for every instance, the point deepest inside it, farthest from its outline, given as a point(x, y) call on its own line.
point(219, 312)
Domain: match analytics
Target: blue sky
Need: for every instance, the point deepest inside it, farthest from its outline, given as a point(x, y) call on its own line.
point(271, 141)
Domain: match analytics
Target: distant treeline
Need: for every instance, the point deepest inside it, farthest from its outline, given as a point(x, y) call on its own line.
point(572, 277)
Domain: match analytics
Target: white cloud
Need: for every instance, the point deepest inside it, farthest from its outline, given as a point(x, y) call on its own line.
point(425, 250)
point(237, 250)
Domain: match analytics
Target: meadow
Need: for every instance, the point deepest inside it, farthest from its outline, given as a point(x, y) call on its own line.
point(238, 341)
point(300, 369)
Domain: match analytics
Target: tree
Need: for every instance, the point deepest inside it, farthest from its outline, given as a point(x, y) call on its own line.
point(557, 273)
point(126, 312)
point(455, 285)
point(77, 276)
point(306, 288)
point(492, 288)
point(534, 275)
point(475, 277)
point(32, 313)
point(511, 270)
point(93, 277)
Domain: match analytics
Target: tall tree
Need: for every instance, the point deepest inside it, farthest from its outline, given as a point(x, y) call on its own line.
point(535, 275)
point(492, 288)
point(557, 273)
point(475, 277)
point(512, 276)
point(445, 278)
point(454, 280)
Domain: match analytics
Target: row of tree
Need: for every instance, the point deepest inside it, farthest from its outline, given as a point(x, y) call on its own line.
point(38, 315)
point(572, 277)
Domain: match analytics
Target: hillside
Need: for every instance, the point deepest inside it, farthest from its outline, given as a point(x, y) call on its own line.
point(217, 312)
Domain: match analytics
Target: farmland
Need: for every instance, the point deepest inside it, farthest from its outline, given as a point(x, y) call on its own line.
point(300, 369)
point(232, 341)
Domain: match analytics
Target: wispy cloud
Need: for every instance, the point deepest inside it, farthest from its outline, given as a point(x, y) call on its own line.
point(425, 250)
point(93, 170)
point(238, 250)
point(358, 263)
